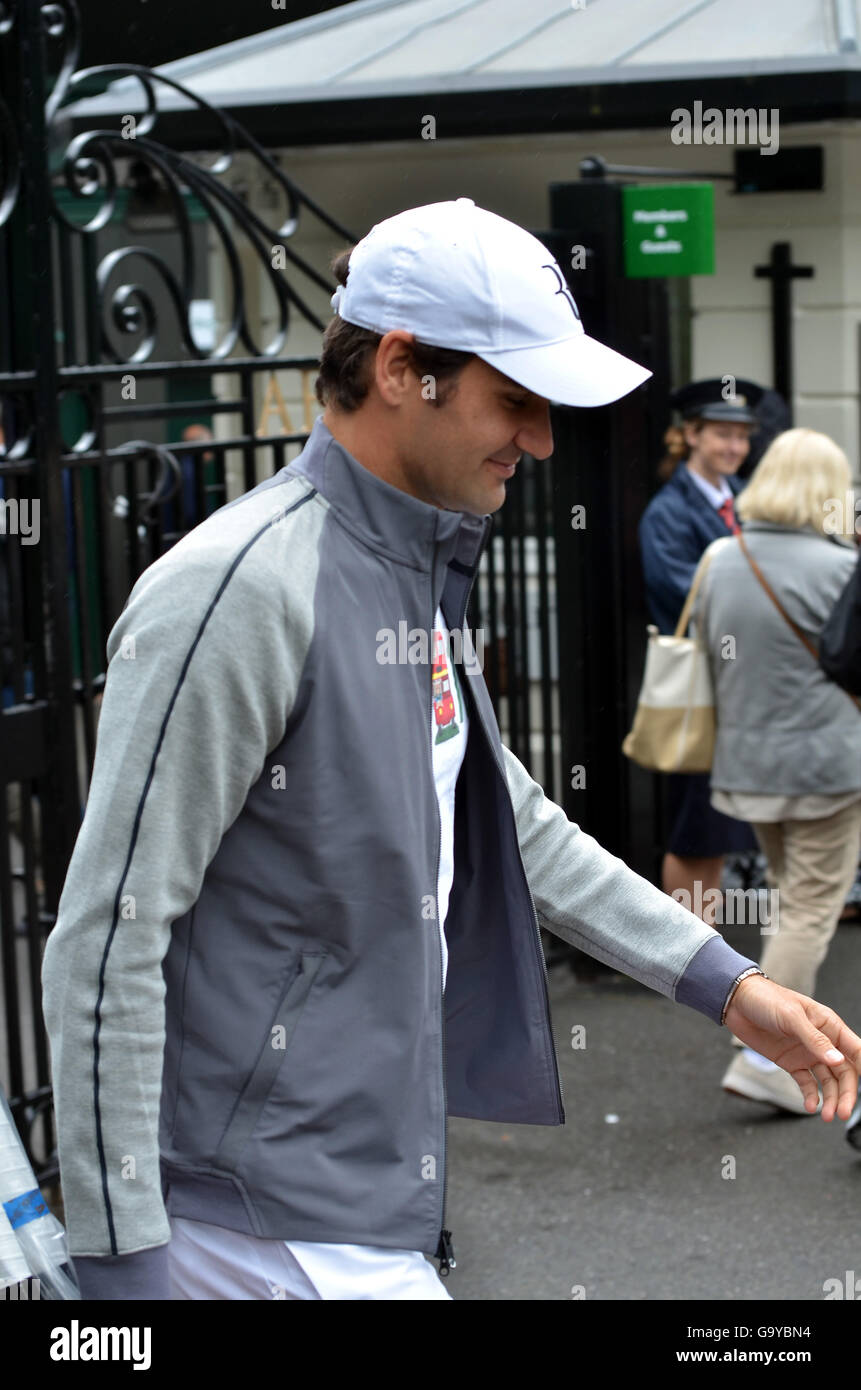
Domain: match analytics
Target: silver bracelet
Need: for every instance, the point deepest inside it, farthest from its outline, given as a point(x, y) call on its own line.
point(751, 970)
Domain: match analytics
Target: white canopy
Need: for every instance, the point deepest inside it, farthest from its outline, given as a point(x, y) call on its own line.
point(384, 48)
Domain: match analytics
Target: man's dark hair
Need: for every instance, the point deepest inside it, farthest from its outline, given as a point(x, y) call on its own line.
point(346, 361)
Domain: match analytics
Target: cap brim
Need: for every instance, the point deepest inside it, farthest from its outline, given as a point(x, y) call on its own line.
point(579, 371)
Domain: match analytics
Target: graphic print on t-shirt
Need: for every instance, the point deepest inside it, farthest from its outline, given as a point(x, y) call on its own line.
point(443, 700)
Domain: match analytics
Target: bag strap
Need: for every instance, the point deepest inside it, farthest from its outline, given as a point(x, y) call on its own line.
point(802, 636)
point(685, 616)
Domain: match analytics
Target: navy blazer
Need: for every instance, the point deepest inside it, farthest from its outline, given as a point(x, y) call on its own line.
point(676, 527)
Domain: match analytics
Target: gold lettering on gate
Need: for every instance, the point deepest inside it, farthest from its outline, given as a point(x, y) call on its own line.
point(274, 404)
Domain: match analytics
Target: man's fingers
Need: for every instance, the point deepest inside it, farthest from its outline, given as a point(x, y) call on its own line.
point(831, 1034)
point(808, 1086)
point(824, 1041)
point(847, 1078)
point(830, 1091)
point(816, 1044)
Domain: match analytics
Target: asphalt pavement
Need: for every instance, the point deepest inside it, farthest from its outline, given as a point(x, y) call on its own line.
point(634, 1198)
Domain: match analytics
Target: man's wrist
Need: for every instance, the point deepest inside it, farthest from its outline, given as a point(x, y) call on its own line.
point(745, 974)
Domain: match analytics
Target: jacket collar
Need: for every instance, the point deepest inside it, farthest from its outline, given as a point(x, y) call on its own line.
point(806, 530)
point(386, 519)
point(686, 484)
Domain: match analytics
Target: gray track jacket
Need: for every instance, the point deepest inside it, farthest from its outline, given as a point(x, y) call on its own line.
point(243, 987)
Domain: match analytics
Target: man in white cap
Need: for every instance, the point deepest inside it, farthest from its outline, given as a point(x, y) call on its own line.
point(301, 923)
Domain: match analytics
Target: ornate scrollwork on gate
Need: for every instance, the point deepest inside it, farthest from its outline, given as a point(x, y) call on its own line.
point(165, 488)
point(93, 166)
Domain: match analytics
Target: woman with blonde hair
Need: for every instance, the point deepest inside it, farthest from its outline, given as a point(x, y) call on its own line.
point(788, 745)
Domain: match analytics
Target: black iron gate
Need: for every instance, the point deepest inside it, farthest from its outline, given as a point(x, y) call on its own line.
point(136, 398)
point(127, 417)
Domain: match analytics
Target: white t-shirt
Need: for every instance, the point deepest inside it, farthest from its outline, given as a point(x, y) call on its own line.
point(449, 729)
point(208, 1261)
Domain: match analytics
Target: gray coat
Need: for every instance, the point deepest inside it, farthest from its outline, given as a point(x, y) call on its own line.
point(783, 727)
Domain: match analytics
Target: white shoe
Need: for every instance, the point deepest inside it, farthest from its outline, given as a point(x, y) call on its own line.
point(772, 1087)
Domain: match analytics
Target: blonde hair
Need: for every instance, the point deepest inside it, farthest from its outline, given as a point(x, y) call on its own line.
point(802, 479)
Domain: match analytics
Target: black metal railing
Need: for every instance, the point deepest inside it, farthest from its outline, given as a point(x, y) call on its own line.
point(101, 365)
point(514, 604)
point(125, 425)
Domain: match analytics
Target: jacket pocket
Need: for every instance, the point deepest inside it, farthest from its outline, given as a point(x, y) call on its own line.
point(255, 1092)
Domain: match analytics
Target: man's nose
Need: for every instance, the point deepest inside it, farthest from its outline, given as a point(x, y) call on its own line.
point(536, 437)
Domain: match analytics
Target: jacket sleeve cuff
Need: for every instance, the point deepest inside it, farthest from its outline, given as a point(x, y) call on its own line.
point(708, 979)
point(142, 1275)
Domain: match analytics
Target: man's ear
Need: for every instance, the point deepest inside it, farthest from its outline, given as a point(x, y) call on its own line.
point(394, 374)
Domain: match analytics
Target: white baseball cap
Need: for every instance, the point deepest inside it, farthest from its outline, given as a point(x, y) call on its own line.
point(458, 276)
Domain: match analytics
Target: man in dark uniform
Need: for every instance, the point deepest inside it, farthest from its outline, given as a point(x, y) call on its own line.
point(694, 508)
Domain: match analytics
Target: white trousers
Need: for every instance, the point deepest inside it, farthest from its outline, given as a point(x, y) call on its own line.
point(212, 1262)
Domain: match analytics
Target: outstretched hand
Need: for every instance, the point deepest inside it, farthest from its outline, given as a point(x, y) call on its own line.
point(805, 1038)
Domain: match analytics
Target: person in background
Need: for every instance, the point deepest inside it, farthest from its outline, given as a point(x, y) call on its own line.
point(840, 644)
point(840, 657)
point(788, 743)
point(173, 525)
point(193, 434)
point(695, 507)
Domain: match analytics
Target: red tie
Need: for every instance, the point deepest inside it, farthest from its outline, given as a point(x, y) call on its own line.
point(726, 511)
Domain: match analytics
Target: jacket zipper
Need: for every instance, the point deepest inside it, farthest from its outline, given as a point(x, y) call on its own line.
point(445, 1250)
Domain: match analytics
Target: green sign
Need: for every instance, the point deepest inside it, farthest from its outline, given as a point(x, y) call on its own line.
point(669, 229)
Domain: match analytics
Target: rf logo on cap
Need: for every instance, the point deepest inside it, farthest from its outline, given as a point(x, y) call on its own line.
point(563, 288)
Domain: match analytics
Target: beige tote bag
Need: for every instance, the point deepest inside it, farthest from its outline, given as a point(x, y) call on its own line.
point(674, 724)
